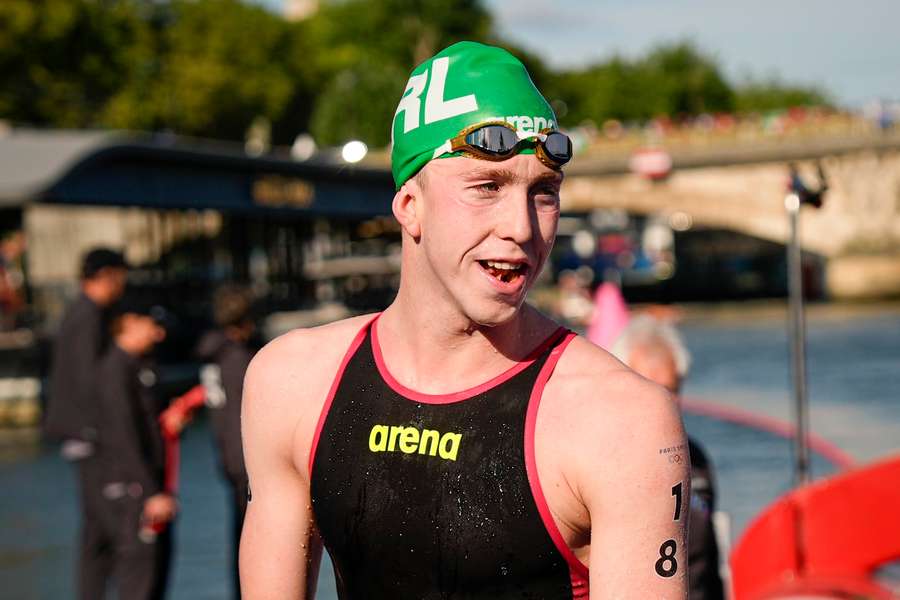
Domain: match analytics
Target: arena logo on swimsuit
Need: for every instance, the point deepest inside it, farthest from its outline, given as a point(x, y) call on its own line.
point(409, 440)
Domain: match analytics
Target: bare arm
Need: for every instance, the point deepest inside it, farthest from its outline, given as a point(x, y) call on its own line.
point(639, 505)
point(280, 549)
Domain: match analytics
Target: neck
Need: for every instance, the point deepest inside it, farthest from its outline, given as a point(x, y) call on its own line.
point(129, 346)
point(430, 346)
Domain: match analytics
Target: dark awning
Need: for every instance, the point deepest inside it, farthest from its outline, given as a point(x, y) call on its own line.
point(169, 172)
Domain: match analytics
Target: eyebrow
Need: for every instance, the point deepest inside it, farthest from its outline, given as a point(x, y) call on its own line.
point(498, 174)
point(507, 176)
point(555, 177)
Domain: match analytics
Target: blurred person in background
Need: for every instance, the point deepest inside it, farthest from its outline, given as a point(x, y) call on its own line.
point(12, 279)
point(134, 509)
point(656, 351)
point(72, 405)
point(574, 303)
point(227, 352)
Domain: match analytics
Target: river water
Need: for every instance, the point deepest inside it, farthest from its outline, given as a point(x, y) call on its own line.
point(740, 359)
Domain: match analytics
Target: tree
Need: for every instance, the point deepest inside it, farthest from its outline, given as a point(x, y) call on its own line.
point(762, 96)
point(359, 103)
point(61, 60)
point(217, 65)
point(682, 81)
point(367, 49)
point(212, 67)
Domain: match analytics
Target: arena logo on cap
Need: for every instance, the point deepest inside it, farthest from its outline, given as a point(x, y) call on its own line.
point(436, 107)
point(530, 124)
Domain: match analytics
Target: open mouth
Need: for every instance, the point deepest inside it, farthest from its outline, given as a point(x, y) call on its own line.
point(504, 271)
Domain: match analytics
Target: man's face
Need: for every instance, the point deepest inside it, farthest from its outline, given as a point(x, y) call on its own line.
point(145, 332)
point(487, 229)
point(113, 280)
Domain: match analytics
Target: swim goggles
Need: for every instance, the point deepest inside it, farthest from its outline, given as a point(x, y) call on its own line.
point(499, 140)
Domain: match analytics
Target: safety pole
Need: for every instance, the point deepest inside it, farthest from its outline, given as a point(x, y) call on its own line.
point(802, 470)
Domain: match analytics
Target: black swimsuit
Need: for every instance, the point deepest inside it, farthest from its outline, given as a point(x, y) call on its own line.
point(436, 496)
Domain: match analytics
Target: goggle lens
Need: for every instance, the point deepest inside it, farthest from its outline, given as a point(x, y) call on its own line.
point(494, 139)
point(558, 146)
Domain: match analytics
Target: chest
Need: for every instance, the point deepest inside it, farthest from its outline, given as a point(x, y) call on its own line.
point(422, 492)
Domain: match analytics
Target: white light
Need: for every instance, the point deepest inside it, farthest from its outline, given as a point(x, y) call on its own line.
point(584, 244)
point(354, 151)
point(304, 147)
point(792, 202)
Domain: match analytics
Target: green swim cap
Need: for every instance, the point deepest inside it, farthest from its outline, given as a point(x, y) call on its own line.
point(465, 84)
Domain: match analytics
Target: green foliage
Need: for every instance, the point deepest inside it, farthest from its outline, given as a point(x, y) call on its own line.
point(685, 81)
point(369, 50)
point(359, 103)
point(211, 67)
point(762, 96)
point(673, 79)
point(60, 60)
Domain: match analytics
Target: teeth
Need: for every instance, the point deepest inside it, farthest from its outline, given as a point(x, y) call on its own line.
point(503, 265)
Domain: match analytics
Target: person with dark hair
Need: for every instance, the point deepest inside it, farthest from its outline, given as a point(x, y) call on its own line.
point(72, 405)
point(134, 508)
point(226, 352)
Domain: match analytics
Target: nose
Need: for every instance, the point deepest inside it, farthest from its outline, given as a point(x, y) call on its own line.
point(516, 219)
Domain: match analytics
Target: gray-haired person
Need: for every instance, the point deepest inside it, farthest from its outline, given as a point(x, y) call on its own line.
point(655, 350)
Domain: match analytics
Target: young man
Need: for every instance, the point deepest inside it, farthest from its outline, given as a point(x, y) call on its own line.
point(135, 509)
point(72, 407)
point(460, 444)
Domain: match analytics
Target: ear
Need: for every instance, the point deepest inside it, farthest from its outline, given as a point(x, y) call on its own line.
point(407, 208)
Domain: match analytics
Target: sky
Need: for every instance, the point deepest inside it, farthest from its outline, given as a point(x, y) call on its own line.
point(850, 49)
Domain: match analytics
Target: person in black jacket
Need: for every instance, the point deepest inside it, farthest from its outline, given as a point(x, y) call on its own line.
point(136, 509)
point(227, 352)
point(72, 406)
point(654, 349)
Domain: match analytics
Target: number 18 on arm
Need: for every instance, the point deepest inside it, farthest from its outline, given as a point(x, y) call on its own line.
point(639, 508)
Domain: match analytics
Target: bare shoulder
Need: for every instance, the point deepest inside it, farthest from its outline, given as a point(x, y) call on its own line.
point(611, 406)
point(287, 381)
point(300, 357)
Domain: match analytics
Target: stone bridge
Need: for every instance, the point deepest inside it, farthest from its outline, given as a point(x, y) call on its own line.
point(857, 230)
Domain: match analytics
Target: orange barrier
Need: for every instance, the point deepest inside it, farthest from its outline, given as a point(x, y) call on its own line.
point(826, 538)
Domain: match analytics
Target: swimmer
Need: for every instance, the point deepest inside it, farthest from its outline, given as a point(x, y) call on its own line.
point(461, 444)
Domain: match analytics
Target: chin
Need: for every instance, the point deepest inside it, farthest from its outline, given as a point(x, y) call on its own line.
point(491, 313)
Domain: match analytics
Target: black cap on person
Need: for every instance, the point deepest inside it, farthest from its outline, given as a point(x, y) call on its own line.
point(101, 258)
point(136, 304)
